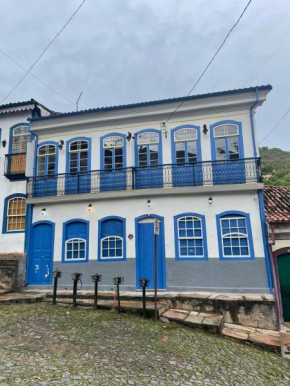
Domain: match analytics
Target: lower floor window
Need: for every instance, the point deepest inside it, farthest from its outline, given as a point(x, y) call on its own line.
point(112, 247)
point(75, 249)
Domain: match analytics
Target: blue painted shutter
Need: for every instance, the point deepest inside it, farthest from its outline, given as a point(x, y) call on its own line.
point(112, 227)
point(76, 230)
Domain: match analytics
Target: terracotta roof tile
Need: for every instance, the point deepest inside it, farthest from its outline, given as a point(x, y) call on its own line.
point(277, 204)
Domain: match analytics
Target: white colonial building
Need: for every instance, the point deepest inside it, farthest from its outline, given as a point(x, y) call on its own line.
point(98, 178)
point(14, 136)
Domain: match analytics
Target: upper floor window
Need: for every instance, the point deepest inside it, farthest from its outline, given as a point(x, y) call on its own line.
point(111, 239)
point(113, 152)
point(190, 237)
point(226, 140)
point(46, 160)
point(148, 148)
point(185, 142)
point(75, 241)
point(14, 213)
point(235, 236)
point(78, 156)
point(20, 137)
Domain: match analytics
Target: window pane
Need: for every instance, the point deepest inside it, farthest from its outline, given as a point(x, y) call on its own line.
point(192, 151)
point(220, 148)
point(153, 155)
point(147, 138)
point(233, 146)
point(180, 152)
point(142, 155)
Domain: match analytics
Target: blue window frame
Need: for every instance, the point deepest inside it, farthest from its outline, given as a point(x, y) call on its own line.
point(112, 239)
point(78, 155)
point(190, 237)
point(227, 140)
point(113, 151)
point(148, 148)
point(235, 236)
point(186, 147)
point(14, 213)
point(47, 159)
point(75, 241)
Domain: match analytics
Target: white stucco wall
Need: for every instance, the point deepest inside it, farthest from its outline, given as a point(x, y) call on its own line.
point(95, 133)
point(168, 207)
point(13, 242)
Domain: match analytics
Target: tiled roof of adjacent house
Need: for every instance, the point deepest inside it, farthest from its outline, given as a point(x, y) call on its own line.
point(157, 102)
point(20, 106)
point(277, 204)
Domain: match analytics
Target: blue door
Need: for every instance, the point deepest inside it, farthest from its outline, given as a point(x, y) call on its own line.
point(145, 254)
point(41, 254)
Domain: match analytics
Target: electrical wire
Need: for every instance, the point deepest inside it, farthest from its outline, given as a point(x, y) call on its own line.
point(43, 52)
point(35, 77)
point(210, 62)
point(275, 127)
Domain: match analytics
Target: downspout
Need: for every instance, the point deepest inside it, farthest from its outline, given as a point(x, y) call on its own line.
point(252, 123)
point(265, 240)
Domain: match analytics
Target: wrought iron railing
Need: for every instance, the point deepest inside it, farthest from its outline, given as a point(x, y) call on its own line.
point(133, 178)
point(15, 164)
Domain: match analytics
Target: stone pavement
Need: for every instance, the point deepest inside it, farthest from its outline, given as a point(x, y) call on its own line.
point(44, 345)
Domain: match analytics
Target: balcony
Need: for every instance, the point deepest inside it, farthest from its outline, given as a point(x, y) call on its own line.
point(207, 173)
point(15, 164)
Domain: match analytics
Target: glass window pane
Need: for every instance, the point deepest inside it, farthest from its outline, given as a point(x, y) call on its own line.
point(220, 148)
point(233, 146)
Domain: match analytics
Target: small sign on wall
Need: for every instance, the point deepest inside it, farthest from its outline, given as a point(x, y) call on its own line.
point(130, 236)
point(156, 226)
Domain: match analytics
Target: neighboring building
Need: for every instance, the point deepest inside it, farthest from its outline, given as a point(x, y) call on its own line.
point(100, 178)
point(14, 136)
point(277, 207)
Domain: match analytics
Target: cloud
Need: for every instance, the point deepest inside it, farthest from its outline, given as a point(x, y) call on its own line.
point(128, 51)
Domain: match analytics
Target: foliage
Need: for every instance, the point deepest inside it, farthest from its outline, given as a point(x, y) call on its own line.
point(275, 166)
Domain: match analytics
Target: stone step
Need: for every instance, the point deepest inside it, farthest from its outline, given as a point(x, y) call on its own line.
point(206, 321)
point(21, 298)
point(130, 306)
point(259, 337)
point(285, 343)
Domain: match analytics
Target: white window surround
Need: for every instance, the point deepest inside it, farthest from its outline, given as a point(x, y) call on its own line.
point(114, 244)
point(190, 238)
point(76, 248)
point(226, 130)
point(185, 134)
point(236, 239)
point(113, 142)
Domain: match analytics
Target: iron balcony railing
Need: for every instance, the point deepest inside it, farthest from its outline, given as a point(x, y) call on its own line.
point(133, 178)
point(15, 164)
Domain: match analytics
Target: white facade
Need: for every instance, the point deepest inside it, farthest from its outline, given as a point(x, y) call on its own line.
point(209, 199)
point(12, 115)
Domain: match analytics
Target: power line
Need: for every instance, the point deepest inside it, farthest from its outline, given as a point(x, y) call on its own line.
point(210, 62)
point(275, 127)
point(35, 77)
point(43, 52)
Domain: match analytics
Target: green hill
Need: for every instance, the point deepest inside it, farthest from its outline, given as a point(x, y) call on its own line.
point(275, 166)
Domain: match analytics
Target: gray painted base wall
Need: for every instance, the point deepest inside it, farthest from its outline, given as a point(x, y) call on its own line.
point(182, 276)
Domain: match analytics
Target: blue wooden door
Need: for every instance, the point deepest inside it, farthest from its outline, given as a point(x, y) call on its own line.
point(41, 255)
point(145, 255)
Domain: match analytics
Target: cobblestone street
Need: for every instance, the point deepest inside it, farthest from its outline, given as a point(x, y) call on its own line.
point(45, 345)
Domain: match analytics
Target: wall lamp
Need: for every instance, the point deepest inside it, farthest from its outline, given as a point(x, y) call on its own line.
point(43, 211)
point(210, 200)
point(4, 143)
point(90, 206)
point(205, 130)
point(61, 143)
point(149, 203)
point(129, 136)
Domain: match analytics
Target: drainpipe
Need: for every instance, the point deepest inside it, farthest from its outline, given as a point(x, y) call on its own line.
point(252, 123)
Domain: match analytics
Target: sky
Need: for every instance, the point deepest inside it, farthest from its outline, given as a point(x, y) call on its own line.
point(127, 51)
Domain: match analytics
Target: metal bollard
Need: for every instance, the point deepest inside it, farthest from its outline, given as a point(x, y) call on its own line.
point(96, 279)
point(76, 278)
point(117, 281)
point(56, 275)
point(144, 283)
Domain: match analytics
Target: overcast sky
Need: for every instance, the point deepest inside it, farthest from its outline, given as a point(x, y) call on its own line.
point(126, 51)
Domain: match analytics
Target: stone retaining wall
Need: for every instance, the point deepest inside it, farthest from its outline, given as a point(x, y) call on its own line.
point(251, 310)
point(12, 271)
